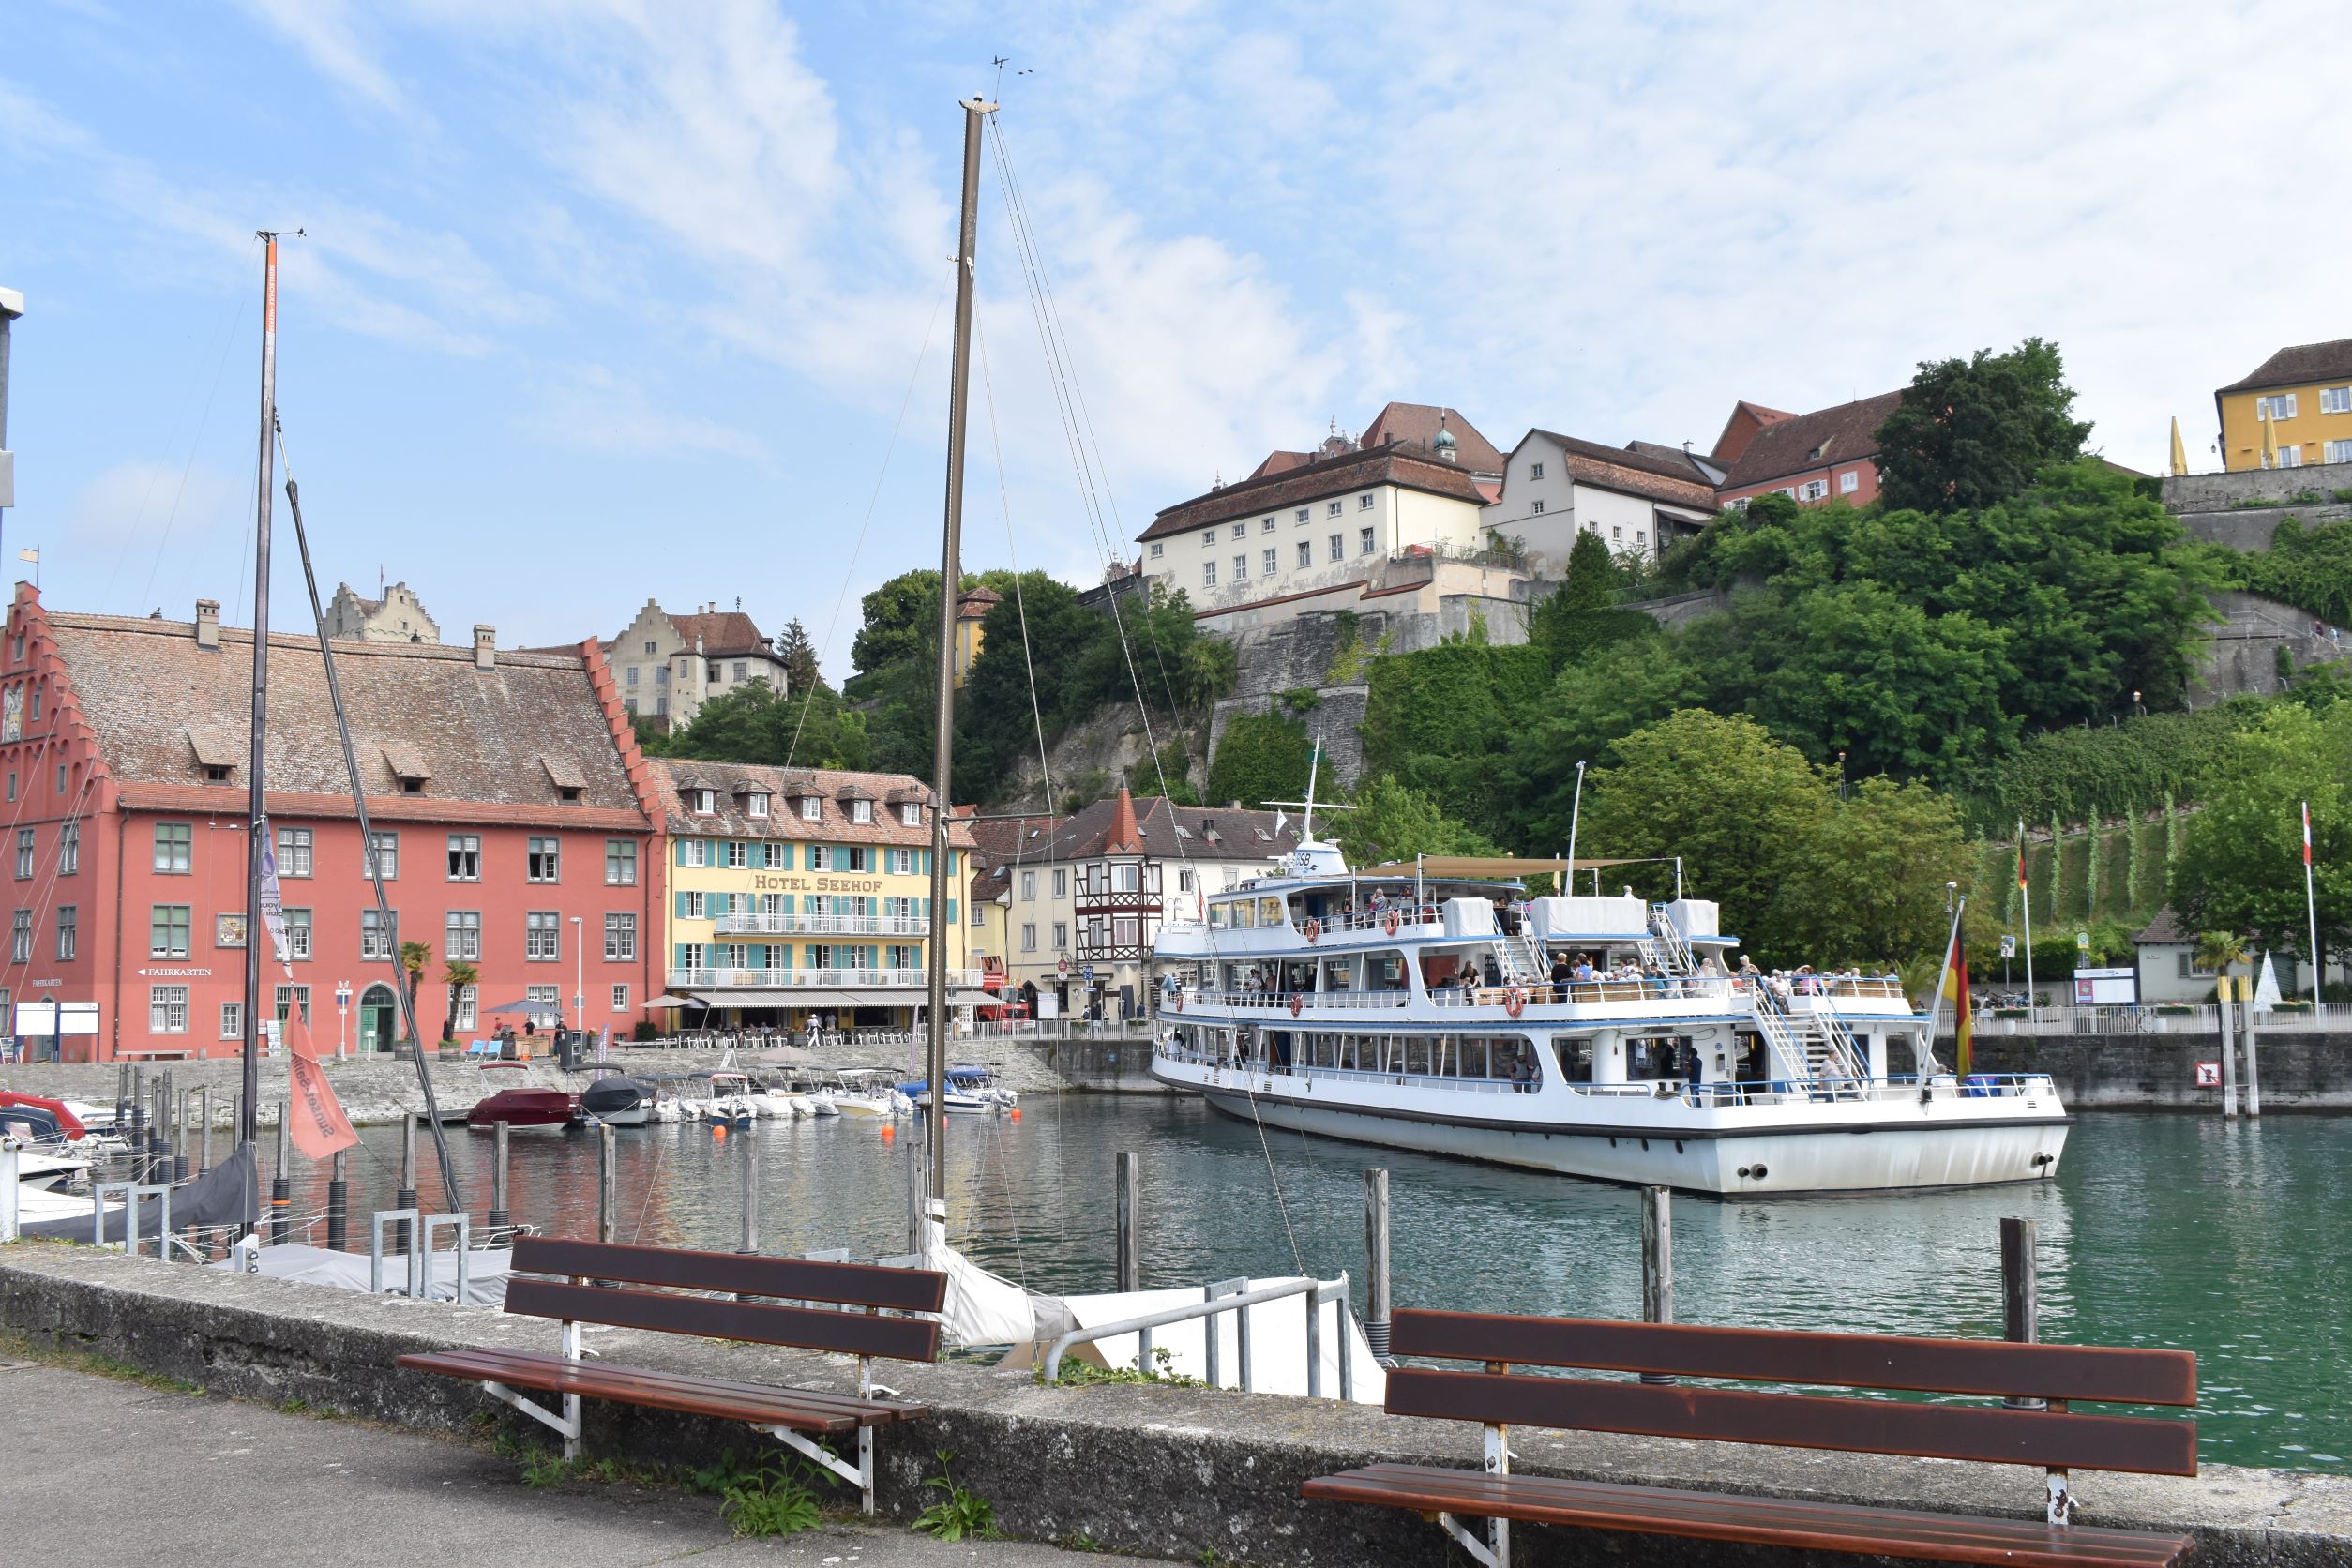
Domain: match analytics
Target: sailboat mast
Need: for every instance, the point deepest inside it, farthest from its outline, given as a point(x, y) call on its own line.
point(950, 585)
point(257, 811)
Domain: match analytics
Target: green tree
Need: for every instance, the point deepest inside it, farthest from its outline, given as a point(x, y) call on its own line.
point(1583, 614)
point(1392, 822)
point(2241, 870)
point(1262, 756)
point(458, 973)
point(1741, 810)
point(900, 623)
point(1972, 432)
point(1878, 860)
point(414, 955)
point(799, 655)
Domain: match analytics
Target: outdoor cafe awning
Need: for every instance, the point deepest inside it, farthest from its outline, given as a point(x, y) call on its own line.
point(816, 996)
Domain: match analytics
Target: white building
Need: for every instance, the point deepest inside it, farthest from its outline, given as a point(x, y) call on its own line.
point(1090, 891)
point(397, 617)
point(668, 666)
point(1637, 499)
point(1317, 536)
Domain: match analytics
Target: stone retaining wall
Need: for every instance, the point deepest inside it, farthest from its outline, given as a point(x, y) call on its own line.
point(1173, 1473)
point(2301, 1069)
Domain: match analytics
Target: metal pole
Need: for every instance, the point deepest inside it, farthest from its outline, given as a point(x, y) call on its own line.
point(604, 1180)
point(339, 1203)
point(2318, 960)
point(1129, 1220)
point(281, 1183)
point(750, 1195)
point(2025, 896)
point(406, 1197)
point(1657, 1264)
point(1376, 1292)
point(2021, 1292)
point(204, 1111)
point(1576, 819)
point(950, 587)
point(257, 807)
point(498, 1213)
point(174, 1126)
point(914, 1195)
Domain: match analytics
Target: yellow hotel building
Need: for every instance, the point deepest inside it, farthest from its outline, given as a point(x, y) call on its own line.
point(2304, 395)
point(798, 895)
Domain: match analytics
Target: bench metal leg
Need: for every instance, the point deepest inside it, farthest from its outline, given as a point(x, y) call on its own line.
point(860, 1475)
point(568, 1423)
point(1495, 1551)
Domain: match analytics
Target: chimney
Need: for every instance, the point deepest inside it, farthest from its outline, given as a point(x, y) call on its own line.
point(485, 647)
point(208, 623)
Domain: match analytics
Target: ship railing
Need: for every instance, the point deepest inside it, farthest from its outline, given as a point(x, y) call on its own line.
point(1975, 1086)
point(1580, 992)
point(1280, 1001)
point(1349, 1075)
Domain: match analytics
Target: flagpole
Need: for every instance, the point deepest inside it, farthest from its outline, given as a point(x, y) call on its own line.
point(2025, 895)
point(1576, 813)
point(2311, 907)
point(1936, 1006)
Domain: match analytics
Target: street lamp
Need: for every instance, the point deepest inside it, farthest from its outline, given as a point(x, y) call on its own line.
point(580, 977)
point(342, 1018)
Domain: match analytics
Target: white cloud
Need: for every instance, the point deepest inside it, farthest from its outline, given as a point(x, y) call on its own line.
point(328, 34)
point(139, 500)
point(591, 408)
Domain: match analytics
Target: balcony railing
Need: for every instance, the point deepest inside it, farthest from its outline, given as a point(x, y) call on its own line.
point(810, 979)
point(823, 925)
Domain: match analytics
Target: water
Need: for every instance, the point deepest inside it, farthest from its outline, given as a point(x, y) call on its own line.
point(2161, 1231)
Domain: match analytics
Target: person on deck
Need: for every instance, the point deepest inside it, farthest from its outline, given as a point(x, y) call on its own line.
point(1562, 973)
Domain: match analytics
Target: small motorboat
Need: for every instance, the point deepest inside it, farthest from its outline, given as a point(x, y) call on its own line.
point(863, 1092)
point(40, 1120)
point(522, 1109)
point(618, 1099)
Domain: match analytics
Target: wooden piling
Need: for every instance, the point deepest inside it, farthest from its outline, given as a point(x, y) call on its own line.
point(406, 1197)
point(604, 1180)
point(1657, 1264)
point(1376, 1288)
point(1129, 1223)
point(750, 1195)
point(2222, 994)
point(500, 1217)
point(2021, 1292)
point(339, 1203)
point(281, 1183)
point(203, 1113)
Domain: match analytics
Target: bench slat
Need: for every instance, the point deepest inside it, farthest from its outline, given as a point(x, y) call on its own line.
point(716, 1317)
point(1767, 1521)
point(1987, 1367)
point(802, 1409)
point(1994, 1435)
point(739, 1273)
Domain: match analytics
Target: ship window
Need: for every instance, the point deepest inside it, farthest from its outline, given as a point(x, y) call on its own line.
point(1576, 1057)
point(1270, 911)
point(1216, 917)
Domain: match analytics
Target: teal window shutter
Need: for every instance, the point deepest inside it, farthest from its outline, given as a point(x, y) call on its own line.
point(951, 911)
point(678, 902)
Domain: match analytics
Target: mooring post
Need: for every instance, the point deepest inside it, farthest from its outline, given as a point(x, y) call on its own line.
point(2230, 1047)
point(176, 1127)
point(751, 1195)
point(604, 1180)
point(339, 1203)
point(203, 1139)
point(281, 1183)
point(2253, 1071)
point(406, 1197)
point(914, 1194)
point(1376, 1294)
point(499, 1216)
point(2021, 1292)
point(1129, 1223)
point(122, 1098)
point(136, 1135)
point(1657, 1265)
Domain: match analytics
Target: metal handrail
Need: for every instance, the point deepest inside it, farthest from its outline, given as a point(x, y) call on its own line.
point(763, 923)
point(1317, 1292)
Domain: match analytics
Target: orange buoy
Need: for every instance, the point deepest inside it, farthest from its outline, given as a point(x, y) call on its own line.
point(1016, 1114)
point(718, 1131)
point(890, 1133)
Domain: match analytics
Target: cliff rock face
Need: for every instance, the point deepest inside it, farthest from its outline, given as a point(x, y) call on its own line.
point(1088, 758)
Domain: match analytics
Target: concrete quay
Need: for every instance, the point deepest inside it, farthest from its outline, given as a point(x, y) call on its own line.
point(1195, 1475)
point(231, 1483)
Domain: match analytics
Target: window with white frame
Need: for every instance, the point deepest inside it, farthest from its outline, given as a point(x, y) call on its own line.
point(1536, 471)
point(2291, 455)
point(1338, 548)
point(755, 804)
point(911, 813)
point(1363, 502)
point(1208, 574)
point(543, 860)
point(542, 936)
point(1209, 538)
point(1813, 490)
point(377, 939)
point(298, 933)
point(738, 854)
point(775, 857)
point(232, 1020)
point(697, 906)
point(1028, 886)
point(1535, 507)
point(1241, 568)
point(1028, 939)
point(979, 913)
point(465, 857)
point(1241, 531)
point(1060, 935)
point(382, 859)
point(167, 931)
point(68, 931)
point(462, 936)
point(21, 938)
point(694, 853)
point(811, 809)
point(69, 848)
point(1266, 526)
point(1617, 532)
point(1306, 553)
point(469, 1007)
point(702, 802)
point(1363, 541)
point(2335, 399)
point(1062, 881)
point(1849, 481)
point(26, 843)
point(1301, 515)
point(293, 851)
point(1159, 547)
point(1332, 508)
point(902, 863)
point(292, 1001)
point(861, 810)
point(1267, 565)
point(620, 999)
point(620, 937)
point(551, 997)
point(167, 1010)
point(2281, 406)
point(620, 863)
point(2338, 451)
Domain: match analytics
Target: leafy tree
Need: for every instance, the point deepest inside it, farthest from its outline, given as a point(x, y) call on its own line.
point(1583, 613)
point(1262, 756)
point(900, 623)
point(1874, 891)
point(2241, 870)
point(2310, 568)
point(459, 973)
point(753, 724)
point(1972, 432)
point(1392, 822)
point(799, 655)
point(414, 955)
point(1742, 810)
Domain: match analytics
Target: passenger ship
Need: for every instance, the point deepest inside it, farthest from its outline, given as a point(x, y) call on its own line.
point(1326, 999)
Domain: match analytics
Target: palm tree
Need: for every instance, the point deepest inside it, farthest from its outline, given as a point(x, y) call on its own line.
point(459, 973)
point(2218, 951)
point(414, 955)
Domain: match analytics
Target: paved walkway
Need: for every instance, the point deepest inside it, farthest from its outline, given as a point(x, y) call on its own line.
point(143, 1475)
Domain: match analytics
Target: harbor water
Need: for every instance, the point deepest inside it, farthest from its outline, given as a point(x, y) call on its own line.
point(2161, 1231)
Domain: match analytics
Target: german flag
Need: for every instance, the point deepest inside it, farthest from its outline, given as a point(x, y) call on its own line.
point(1957, 992)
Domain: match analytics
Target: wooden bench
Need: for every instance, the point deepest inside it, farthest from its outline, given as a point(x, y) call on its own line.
point(793, 1416)
point(2054, 1438)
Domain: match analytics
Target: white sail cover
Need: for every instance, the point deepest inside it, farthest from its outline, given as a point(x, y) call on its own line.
point(981, 1308)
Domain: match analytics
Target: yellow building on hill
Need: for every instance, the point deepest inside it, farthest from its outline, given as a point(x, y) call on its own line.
point(796, 895)
point(2293, 411)
point(970, 610)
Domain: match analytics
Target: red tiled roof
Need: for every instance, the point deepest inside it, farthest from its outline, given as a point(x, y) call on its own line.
point(1810, 441)
point(1351, 471)
point(1674, 482)
point(1280, 463)
point(723, 633)
point(2297, 365)
point(731, 782)
point(1416, 425)
point(1726, 451)
point(1198, 832)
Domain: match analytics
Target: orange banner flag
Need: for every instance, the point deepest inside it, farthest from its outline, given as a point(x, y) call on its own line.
point(314, 1116)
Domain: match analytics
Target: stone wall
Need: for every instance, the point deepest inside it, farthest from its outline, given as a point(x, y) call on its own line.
point(2301, 1069)
point(2242, 655)
point(2252, 530)
point(1191, 1474)
point(2219, 492)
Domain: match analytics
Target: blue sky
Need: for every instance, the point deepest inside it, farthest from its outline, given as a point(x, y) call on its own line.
point(610, 300)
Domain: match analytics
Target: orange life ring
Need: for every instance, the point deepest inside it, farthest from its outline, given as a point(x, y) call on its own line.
point(1515, 1002)
point(1314, 930)
point(1297, 1003)
point(1389, 923)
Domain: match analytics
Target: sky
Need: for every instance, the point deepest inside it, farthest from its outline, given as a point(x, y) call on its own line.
point(618, 299)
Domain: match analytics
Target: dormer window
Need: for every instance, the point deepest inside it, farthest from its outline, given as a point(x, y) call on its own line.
point(568, 794)
point(911, 813)
point(409, 767)
point(705, 801)
point(215, 773)
point(755, 804)
point(861, 810)
point(811, 808)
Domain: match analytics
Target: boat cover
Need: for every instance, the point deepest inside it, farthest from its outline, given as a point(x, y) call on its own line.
point(224, 1195)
